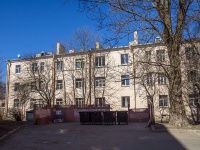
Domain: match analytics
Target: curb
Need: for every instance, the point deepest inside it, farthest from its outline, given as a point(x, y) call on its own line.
point(9, 134)
point(175, 130)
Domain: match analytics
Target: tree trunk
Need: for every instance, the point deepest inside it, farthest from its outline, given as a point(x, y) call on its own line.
point(178, 116)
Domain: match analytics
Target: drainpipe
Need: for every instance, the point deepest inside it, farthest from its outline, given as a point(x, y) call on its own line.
point(7, 86)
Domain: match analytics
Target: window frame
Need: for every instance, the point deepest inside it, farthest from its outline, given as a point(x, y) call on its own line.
point(100, 101)
point(163, 100)
point(59, 84)
point(33, 86)
point(124, 59)
point(17, 69)
point(193, 100)
point(125, 80)
point(125, 101)
point(59, 65)
point(79, 82)
point(160, 55)
point(100, 61)
point(16, 86)
point(59, 101)
point(150, 79)
point(79, 102)
point(16, 103)
point(32, 102)
point(100, 82)
point(79, 63)
point(41, 66)
point(162, 79)
point(34, 67)
point(148, 56)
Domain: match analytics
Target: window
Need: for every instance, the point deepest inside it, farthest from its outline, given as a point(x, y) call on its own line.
point(34, 67)
point(125, 80)
point(100, 61)
point(59, 84)
point(79, 63)
point(148, 56)
point(100, 82)
point(79, 102)
point(163, 100)
point(33, 86)
point(126, 101)
point(59, 101)
point(16, 88)
point(124, 59)
point(193, 76)
point(17, 68)
point(79, 83)
point(41, 85)
point(160, 55)
point(59, 65)
point(162, 79)
point(16, 103)
point(194, 100)
point(32, 102)
point(150, 79)
point(42, 67)
point(190, 52)
point(100, 102)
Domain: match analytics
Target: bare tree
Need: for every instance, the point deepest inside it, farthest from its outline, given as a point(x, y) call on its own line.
point(82, 39)
point(173, 21)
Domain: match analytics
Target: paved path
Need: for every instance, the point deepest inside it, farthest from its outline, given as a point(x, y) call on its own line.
point(73, 136)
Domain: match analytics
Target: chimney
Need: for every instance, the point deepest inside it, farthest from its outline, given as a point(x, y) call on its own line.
point(98, 45)
point(135, 42)
point(60, 49)
point(136, 37)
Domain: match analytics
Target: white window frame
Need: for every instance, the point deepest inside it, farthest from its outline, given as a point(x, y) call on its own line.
point(79, 83)
point(162, 79)
point(18, 69)
point(34, 67)
point(59, 84)
point(59, 65)
point(163, 100)
point(79, 102)
point(100, 61)
point(41, 66)
point(160, 55)
point(100, 102)
point(124, 59)
point(100, 82)
point(125, 101)
point(125, 80)
point(79, 64)
point(150, 78)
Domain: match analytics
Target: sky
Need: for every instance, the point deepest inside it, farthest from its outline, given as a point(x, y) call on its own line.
point(32, 26)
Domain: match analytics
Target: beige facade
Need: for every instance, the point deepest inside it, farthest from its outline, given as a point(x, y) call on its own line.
point(123, 77)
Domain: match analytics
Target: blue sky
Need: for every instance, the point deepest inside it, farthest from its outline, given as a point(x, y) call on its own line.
point(30, 26)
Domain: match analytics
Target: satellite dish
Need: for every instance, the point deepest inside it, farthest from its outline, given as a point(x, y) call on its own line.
point(18, 55)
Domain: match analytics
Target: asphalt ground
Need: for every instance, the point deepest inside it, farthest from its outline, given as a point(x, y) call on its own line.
point(73, 136)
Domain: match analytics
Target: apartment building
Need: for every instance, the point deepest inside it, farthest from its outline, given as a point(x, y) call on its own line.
point(125, 77)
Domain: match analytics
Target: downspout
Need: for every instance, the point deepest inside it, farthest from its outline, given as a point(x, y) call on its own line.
point(53, 81)
point(7, 85)
point(90, 78)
